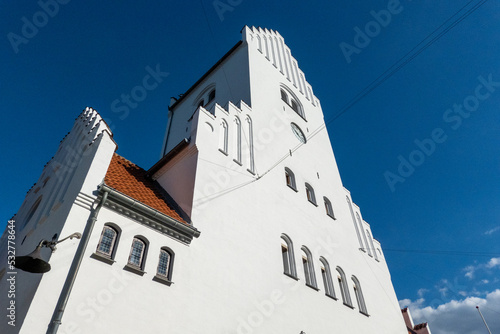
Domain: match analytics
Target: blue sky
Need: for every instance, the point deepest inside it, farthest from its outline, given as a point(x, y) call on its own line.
point(436, 118)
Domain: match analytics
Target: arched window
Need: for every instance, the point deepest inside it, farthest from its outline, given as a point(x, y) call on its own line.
point(32, 211)
point(328, 207)
point(237, 139)
point(359, 296)
point(138, 252)
point(291, 100)
point(307, 262)
point(344, 289)
point(288, 256)
point(290, 178)
point(327, 278)
point(223, 137)
point(295, 106)
point(355, 223)
point(211, 95)
point(165, 264)
point(266, 46)
point(251, 168)
point(310, 194)
point(201, 103)
point(364, 235)
point(108, 241)
point(370, 239)
point(284, 96)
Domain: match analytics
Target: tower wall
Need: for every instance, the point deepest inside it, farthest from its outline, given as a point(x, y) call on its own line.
point(65, 194)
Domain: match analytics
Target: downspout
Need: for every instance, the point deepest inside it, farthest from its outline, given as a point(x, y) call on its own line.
point(73, 271)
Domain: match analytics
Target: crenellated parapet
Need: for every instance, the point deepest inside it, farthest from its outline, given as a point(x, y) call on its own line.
point(272, 46)
point(52, 186)
point(231, 127)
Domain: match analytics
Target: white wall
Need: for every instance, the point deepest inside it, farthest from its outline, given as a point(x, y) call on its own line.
point(230, 279)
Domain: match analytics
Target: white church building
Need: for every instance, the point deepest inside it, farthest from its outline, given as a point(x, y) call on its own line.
point(243, 226)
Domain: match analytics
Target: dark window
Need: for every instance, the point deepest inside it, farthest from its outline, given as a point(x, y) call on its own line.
point(290, 178)
point(284, 97)
point(211, 96)
point(310, 194)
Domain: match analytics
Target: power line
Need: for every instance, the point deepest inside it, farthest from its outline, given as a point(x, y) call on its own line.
point(392, 70)
point(400, 63)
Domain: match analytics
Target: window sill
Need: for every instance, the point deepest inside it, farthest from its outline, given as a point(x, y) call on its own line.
point(312, 287)
point(238, 162)
point(162, 280)
point(313, 203)
point(364, 313)
point(332, 297)
point(222, 151)
point(289, 275)
point(134, 270)
point(349, 306)
point(102, 258)
point(250, 171)
point(294, 189)
point(331, 216)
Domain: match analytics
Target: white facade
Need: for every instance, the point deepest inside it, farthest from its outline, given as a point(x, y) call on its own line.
point(226, 170)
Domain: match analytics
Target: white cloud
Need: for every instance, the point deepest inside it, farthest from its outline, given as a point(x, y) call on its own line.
point(469, 271)
point(493, 230)
point(458, 316)
point(494, 262)
point(421, 292)
point(443, 291)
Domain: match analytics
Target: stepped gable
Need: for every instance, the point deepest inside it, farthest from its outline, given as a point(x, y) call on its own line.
point(131, 180)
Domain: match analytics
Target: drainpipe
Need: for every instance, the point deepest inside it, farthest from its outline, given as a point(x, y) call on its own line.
point(73, 271)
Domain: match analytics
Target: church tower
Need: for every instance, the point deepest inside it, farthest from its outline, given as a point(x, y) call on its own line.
point(247, 155)
point(243, 226)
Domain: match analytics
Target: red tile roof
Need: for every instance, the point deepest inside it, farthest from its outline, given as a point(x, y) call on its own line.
point(131, 180)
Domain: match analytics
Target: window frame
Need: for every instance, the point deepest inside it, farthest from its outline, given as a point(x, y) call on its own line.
point(292, 101)
point(284, 96)
point(307, 262)
point(326, 274)
point(344, 288)
point(110, 256)
point(133, 267)
point(288, 257)
point(329, 208)
point(167, 276)
point(360, 299)
point(290, 176)
point(114, 243)
point(311, 197)
point(224, 137)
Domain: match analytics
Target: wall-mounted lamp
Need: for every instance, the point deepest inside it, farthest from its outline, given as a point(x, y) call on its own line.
point(33, 262)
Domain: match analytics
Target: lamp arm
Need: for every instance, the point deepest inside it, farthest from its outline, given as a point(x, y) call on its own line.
point(52, 244)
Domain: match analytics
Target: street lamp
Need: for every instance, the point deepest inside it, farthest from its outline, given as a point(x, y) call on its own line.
point(33, 262)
